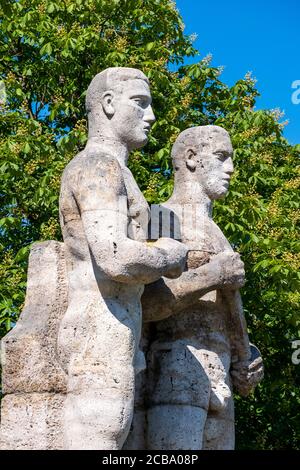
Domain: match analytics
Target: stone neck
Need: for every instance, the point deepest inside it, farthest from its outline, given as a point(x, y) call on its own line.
point(110, 146)
point(191, 192)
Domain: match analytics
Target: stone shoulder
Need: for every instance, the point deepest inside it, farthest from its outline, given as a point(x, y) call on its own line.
point(94, 171)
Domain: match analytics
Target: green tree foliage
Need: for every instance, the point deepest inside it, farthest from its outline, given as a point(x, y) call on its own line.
point(49, 53)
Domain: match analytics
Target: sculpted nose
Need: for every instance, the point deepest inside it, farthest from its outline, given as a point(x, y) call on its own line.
point(149, 115)
point(229, 166)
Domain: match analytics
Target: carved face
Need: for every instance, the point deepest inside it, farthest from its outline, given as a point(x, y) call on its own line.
point(133, 115)
point(216, 166)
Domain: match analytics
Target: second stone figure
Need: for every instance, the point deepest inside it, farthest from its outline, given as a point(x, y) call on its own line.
point(197, 343)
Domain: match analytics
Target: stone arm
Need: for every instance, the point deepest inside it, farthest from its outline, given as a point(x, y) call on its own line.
point(166, 297)
point(102, 201)
point(246, 375)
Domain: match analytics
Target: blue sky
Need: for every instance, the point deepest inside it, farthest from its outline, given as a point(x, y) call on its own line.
point(262, 36)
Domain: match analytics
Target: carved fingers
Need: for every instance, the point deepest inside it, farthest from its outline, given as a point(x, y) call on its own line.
point(231, 269)
point(176, 255)
point(246, 375)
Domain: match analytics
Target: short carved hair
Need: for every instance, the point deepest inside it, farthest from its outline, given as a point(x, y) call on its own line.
point(107, 80)
point(199, 137)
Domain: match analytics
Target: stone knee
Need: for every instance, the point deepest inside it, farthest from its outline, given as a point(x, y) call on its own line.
point(179, 392)
point(99, 406)
point(175, 427)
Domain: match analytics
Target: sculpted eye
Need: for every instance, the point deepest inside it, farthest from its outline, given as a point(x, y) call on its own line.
point(142, 102)
point(221, 156)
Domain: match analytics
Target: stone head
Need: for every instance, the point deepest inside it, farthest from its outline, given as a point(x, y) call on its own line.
point(203, 155)
point(118, 104)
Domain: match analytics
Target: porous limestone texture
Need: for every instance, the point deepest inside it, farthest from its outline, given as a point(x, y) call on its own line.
point(137, 435)
point(33, 382)
point(73, 365)
point(71, 361)
point(102, 215)
point(199, 344)
point(32, 421)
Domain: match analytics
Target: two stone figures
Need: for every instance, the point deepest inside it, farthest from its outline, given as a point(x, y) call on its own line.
point(72, 362)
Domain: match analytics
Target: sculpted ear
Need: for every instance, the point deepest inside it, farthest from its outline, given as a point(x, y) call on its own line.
point(190, 159)
point(107, 101)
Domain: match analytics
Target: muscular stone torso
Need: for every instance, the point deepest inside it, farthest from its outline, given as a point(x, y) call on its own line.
point(190, 357)
point(97, 302)
point(84, 175)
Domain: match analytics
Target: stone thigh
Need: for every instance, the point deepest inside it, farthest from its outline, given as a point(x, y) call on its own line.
point(219, 429)
point(100, 349)
point(176, 376)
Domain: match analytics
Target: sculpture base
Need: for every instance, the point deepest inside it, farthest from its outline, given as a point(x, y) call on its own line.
point(32, 421)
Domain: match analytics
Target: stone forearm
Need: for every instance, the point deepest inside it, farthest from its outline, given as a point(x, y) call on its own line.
point(165, 297)
point(129, 262)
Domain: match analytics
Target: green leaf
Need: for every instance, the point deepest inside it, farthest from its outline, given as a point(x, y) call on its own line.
point(46, 49)
point(150, 46)
point(51, 8)
point(26, 148)
point(22, 254)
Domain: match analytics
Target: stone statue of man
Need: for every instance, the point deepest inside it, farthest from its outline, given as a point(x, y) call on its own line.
point(200, 345)
point(103, 214)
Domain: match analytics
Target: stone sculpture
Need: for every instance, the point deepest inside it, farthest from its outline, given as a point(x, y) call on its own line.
point(91, 342)
point(71, 364)
point(99, 334)
point(199, 345)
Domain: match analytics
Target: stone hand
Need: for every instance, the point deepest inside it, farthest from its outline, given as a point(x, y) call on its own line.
point(246, 375)
point(176, 255)
point(229, 268)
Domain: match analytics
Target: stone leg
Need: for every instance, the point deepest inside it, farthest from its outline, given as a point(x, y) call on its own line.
point(99, 405)
point(179, 392)
point(93, 421)
point(97, 350)
point(136, 438)
point(219, 431)
point(175, 427)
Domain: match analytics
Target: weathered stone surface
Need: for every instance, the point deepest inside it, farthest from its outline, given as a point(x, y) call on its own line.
point(72, 364)
point(182, 420)
point(28, 351)
point(85, 343)
point(219, 429)
point(201, 333)
point(103, 214)
point(137, 436)
point(32, 421)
